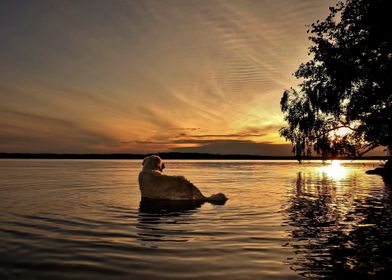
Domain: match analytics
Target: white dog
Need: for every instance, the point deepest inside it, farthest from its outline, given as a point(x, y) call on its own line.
point(155, 185)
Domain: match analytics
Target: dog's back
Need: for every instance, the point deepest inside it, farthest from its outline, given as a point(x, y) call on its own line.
point(155, 185)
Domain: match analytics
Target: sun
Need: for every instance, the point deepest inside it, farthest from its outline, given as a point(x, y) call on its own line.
point(340, 132)
point(343, 131)
point(335, 170)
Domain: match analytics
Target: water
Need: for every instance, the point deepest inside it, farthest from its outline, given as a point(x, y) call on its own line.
point(82, 219)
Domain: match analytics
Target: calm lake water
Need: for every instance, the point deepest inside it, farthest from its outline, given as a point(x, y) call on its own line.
point(82, 219)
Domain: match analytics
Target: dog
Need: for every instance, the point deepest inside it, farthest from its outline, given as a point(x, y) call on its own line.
point(156, 185)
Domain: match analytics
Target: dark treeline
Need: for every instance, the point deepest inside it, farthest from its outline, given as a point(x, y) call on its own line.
point(167, 155)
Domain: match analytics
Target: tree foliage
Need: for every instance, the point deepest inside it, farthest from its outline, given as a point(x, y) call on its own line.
point(342, 105)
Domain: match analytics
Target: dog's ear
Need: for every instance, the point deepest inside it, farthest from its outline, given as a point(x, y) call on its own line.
point(144, 161)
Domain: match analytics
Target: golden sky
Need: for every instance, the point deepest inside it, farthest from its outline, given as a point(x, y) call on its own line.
point(149, 76)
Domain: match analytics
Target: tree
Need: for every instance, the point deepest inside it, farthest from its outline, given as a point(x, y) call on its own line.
point(342, 105)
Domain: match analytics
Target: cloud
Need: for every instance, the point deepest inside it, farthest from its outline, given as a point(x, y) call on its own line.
point(184, 129)
point(239, 147)
point(193, 135)
point(245, 133)
point(147, 75)
point(30, 132)
point(194, 141)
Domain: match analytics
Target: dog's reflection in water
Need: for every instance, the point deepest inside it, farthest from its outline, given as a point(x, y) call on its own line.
point(166, 220)
point(167, 206)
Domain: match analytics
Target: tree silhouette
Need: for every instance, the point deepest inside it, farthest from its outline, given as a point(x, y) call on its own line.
point(342, 105)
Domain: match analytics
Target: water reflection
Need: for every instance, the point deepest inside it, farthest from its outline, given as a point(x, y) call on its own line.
point(160, 220)
point(165, 207)
point(340, 232)
point(335, 170)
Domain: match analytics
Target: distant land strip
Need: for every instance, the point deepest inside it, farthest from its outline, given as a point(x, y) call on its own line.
point(168, 155)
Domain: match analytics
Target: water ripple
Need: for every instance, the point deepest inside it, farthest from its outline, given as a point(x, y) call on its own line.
point(281, 221)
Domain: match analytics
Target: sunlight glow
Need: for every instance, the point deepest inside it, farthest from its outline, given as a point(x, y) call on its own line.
point(342, 131)
point(335, 170)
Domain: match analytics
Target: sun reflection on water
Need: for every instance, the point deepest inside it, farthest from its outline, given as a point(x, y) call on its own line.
point(335, 170)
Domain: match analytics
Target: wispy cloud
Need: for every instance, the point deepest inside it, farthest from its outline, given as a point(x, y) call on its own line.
point(239, 147)
point(147, 75)
point(192, 138)
point(48, 134)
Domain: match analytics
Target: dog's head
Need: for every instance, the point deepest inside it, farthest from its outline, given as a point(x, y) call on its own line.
point(153, 163)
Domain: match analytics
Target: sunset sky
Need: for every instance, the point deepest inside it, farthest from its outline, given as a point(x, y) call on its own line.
point(149, 76)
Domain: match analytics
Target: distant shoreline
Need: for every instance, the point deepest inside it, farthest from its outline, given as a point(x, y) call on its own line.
point(185, 156)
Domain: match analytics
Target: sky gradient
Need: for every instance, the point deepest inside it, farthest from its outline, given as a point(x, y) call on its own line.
point(149, 76)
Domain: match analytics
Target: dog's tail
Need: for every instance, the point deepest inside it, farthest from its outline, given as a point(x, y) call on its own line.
point(218, 198)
